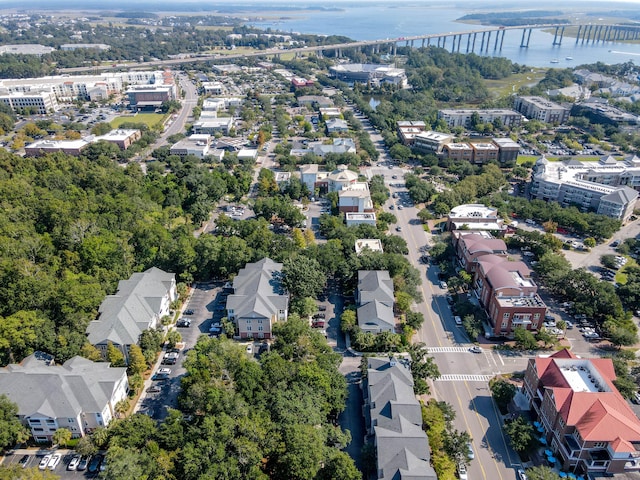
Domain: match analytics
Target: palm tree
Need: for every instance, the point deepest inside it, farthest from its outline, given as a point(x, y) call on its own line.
point(122, 407)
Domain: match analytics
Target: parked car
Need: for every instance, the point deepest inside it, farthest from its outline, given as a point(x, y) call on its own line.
point(458, 320)
point(462, 471)
point(569, 324)
point(470, 454)
point(170, 358)
point(54, 461)
point(154, 389)
point(189, 312)
point(183, 323)
point(94, 464)
point(449, 299)
point(322, 308)
point(44, 462)
point(164, 371)
point(521, 474)
point(444, 285)
point(319, 315)
point(84, 461)
point(160, 376)
point(398, 228)
point(73, 464)
point(24, 461)
point(319, 323)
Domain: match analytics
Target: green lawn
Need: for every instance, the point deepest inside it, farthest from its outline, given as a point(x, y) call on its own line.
point(149, 119)
point(511, 84)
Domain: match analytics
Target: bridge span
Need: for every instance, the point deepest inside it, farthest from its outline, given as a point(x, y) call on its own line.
point(484, 38)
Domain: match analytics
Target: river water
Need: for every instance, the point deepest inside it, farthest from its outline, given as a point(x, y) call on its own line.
point(376, 21)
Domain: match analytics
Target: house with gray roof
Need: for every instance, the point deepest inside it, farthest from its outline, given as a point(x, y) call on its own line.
point(139, 304)
point(337, 125)
point(79, 395)
point(393, 418)
point(258, 299)
point(375, 300)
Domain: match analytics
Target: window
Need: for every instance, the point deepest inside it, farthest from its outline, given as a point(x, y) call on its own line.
point(260, 321)
point(39, 429)
point(599, 444)
point(260, 328)
point(71, 420)
point(536, 316)
point(504, 325)
point(505, 315)
point(248, 328)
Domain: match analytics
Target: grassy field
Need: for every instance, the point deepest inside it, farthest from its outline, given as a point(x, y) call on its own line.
point(511, 84)
point(149, 119)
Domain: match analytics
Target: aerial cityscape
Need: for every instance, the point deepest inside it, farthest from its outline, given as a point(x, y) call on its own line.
point(340, 241)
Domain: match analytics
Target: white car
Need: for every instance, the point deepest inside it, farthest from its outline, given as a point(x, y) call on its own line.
point(55, 460)
point(44, 462)
point(462, 471)
point(458, 320)
point(250, 349)
point(73, 464)
point(164, 371)
point(444, 285)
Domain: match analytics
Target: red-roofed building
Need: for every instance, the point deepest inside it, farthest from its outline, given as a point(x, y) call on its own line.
point(587, 423)
point(469, 246)
point(508, 294)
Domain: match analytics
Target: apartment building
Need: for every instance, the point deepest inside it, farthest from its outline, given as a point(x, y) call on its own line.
point(588, 425)
point(258, 299)
point(458, 151)
point(507, 151)
point(464, 117)
point(393, 418)
point(40, 103)
point(79, 395)
point(508, 294)
point(607, 187)
point(540, 108)
point(469, 246)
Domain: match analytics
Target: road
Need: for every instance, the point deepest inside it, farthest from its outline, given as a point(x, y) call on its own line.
point(189, 101)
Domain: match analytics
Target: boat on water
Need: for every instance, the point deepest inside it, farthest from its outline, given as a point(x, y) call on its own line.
point(555, 60)
point(568, 58)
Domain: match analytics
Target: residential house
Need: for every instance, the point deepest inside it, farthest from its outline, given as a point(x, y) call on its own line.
point(375, 300)
point(336, 125)
point(508, 294)
point(393, 417)
point(79, 395)
point(587, 423)
point(355, 198)
point(258, 299)
point(139, 304)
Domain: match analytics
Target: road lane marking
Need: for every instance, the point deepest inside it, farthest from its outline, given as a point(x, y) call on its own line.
point(464, 378)
point(464, 417)
point(449, 349)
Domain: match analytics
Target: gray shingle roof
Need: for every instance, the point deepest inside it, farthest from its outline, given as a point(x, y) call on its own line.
point(79, 385)
point(258, 291)
point(136, 304)
point(375, 316)
point(621, 196)
point(375, 285)
point(402, 446)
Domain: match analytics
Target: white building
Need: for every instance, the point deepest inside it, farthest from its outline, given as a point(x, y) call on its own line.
point(197, 145)
point(605, 187)
point(212, 126)
point(40, 103)
point(79, 395)
point(463, 117)
point(371, 244)
point(540, 108)
point(431, 142)
point(355, 198)
point(355, 218)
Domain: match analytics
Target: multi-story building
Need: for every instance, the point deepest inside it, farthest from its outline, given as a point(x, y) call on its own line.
point(605, 187)
point(40, 103)
point(484, 152)
point(139, 304)
point(26, 49)
point(469, 246)
point(375, 300)
point(79, 395)
point(150, 97)
point(474, 216)
point(211, 126)
point(407, 130)
point(458, 151)
point(464, 117)
point(70, 147)
point(431, 142)
point(393, 418)
point(586, 422)
point(341, 178)
point(258, 299)
point(197, 145)
point(508, 294)
point(507, 151)
point(540, 108)
point(369, 73)
point(355, 198)
point(84, 46)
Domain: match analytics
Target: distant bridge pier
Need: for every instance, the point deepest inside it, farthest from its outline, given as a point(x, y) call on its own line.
point(502, 39)
point(578, 34)
point(482, 43)
point(473, 44)
point(558, 40)
point(423, 42)
point(444, 41)
point(429, 42)
point(395, 49)
point(495, 44)
point(488, 40)
point(468, 42)
point(523, 43)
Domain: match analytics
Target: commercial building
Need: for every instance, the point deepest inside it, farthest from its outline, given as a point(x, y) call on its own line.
point(40, 103)
point(408, 129)
point(123, 138)
point(458, 151)
point(605, 187)
point(355, 198)
point(79, 395)
point(84, 46)
point(474, 216)
point(139, 304)
point(540, 108)
point(197, 145)
point(507, 151)
point(70, 147)
point(464, 117)
point(258, 299)
point(431, 142)
point(211, 126)
point(588, 425)
point(470, 246)
point(355, 218)
point(315, 100)
point(150, 97)
point(370, 244)
point(393, 418)
point(369, 73)
point(375, 301)
point(26, 49)
point(508, 294)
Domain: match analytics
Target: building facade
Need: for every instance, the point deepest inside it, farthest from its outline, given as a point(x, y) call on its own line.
point(464, 117)
point(587, 423)
point(540, 108)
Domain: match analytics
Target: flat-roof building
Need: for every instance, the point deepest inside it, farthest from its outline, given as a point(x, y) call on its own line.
point(540, 108)
point(197, 145)
point(371, 244)
point(70, 147)
point(474, 216)
point(464, 117)
point(431, 142)
point(213, 125)
point(144, 96)
point(355, 218)
point(26, 49)
point(369, 73)
point(123, 138)
point(408, 129)
point(40, 103)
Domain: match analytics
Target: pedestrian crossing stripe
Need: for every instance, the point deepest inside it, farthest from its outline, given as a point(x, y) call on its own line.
point(449, 349)
point(464, 378)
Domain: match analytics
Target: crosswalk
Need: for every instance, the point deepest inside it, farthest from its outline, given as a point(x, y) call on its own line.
point(448, 349)
point(464, 378)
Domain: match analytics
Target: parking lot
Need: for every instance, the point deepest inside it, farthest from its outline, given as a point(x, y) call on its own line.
point(35, 456)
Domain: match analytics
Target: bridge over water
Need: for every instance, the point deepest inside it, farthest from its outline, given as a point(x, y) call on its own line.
point(476, 40)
